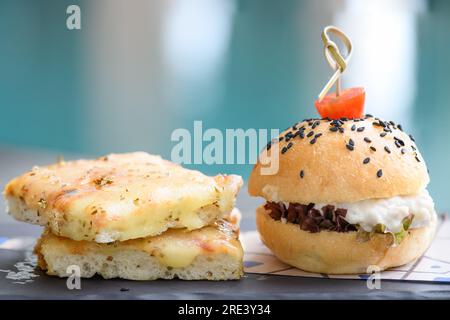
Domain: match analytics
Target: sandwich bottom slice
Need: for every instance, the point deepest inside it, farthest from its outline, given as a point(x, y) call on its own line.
point(210, 253)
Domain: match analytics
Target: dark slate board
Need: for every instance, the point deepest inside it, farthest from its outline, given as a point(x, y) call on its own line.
point(252, 286)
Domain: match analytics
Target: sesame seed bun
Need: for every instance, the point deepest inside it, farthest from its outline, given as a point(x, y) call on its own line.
point(339, 252)
point(335, 161)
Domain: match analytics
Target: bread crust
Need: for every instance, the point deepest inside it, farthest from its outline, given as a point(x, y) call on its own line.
point(339, 253)
point(332, 173)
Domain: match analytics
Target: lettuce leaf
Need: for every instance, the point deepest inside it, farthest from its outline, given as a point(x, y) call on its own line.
point(397, 237)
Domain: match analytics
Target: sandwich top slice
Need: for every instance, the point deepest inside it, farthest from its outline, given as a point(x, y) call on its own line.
point(212, 253)
point(119, 197)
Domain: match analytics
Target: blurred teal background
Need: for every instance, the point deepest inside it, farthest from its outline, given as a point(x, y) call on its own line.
point(137, 70)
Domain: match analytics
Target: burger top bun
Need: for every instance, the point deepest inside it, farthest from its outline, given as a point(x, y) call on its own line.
point(335, 161)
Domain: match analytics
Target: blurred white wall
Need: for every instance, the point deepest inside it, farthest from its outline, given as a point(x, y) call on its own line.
point(143, 59)
point(196, 38)
point(123, 73)
point(384, 35)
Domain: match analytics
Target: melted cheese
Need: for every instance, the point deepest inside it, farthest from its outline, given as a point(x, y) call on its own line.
point(174, 248)
point(178, 255)
point(390, 211)
point(121, 197)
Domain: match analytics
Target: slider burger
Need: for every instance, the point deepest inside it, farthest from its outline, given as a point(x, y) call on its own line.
point(349, 193)
point(133, 216)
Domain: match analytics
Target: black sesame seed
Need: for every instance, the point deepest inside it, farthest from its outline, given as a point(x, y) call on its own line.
point(399, 141)
point(399, 126)
point(373, 148)
point(353, 128)
point(383, 134)
point(397, 144)
point(367, 140)
point(318, 135)
point(310, 134)
point(341, 130)
point(379, 173)
point(411, 137)
point(289, 145)
point(335, 123)
point(280, 138)
point(313, 140)
point(343, 119)
point(301, 134)
point(349, 147)
point(334, 129)
point(351, 142)
point(302, 174)
point(417, 159)
point(414, 148)
point(283, 151)
point(368, 115)
point(386, 148)
point(403, 151)
point(366, 160)
point(387, 130)
point(360, 129)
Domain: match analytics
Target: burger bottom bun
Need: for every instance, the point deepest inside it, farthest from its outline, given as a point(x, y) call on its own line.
point(339, 253)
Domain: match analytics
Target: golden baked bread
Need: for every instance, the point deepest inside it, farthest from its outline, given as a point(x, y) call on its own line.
point(328, 165)
point(210, 253)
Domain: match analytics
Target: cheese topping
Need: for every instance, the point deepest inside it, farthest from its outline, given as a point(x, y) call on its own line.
point(178, 255)
point(119, 197)
point(389, 211)
point(176, 248)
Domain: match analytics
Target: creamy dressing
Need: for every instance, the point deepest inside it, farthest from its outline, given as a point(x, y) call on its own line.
point(389, 211)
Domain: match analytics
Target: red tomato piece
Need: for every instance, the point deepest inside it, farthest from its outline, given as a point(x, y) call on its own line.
point(349, 104)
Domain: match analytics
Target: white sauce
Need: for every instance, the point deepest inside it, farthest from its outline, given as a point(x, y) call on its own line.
point(389, 211)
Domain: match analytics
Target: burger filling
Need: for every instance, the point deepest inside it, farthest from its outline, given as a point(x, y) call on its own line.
point(388, 215)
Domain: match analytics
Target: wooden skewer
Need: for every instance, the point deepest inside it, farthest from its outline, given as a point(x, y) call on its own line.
point(335, 58)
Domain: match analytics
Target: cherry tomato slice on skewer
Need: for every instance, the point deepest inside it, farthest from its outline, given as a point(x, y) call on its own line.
point(349, 104)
